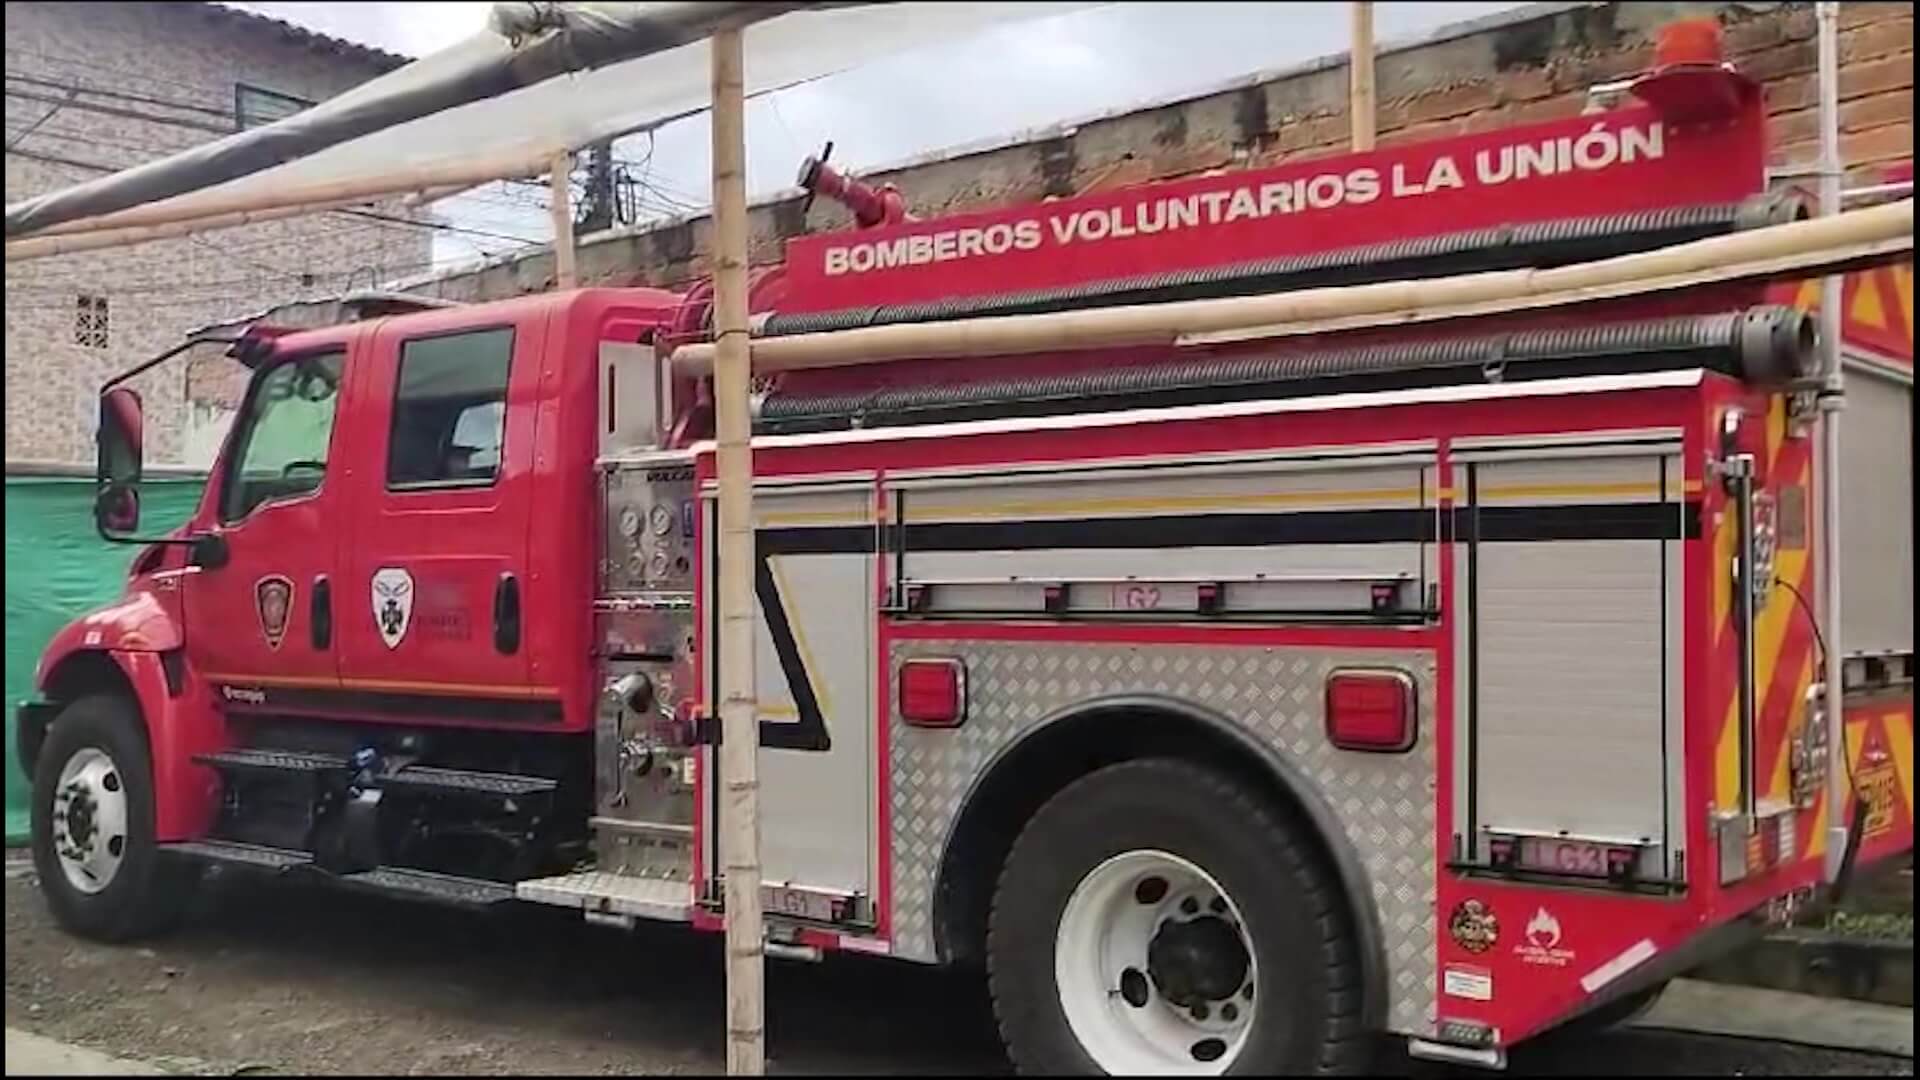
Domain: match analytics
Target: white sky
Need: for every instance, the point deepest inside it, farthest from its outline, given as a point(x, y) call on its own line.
point(1007, 79)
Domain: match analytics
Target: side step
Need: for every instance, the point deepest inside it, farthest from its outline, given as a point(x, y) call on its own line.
point(428, 779)
point(271, 761)
point(234, 853)
point(599, 892)
point(424, 779)
point(424, 885)
point(398, 882)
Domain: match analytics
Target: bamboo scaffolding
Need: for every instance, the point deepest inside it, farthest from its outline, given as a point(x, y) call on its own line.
point(739, 723)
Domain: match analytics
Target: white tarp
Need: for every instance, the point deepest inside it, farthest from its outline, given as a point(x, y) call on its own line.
point(527, 123)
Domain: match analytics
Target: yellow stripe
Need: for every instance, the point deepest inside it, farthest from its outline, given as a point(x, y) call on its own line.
point(1779, 786)
point(1867, 309)
point(1899, 731)
point(817, 517)
point(1726, 760)
point(1135, 506)
point(1817, 839)
point(925, 512)
point(1517, 491)
point(471, 689)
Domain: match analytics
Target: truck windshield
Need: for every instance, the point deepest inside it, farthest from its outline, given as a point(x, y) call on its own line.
point(280, 450)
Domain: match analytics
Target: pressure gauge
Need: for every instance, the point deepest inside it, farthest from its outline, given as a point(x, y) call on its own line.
point(630, 523)
point(661, 519)
point(658, 567)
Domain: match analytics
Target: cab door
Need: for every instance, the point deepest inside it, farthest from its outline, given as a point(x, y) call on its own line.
point(258, 604)
point(436, 576)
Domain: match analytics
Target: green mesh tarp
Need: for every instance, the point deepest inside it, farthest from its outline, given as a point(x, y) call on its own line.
point(57, 568)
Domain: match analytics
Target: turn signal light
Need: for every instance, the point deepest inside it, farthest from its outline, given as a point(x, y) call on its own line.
point(1371, 710)
point(933, 692)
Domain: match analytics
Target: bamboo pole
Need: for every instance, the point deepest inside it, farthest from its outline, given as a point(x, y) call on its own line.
point(565, 275)
point(739, 722)
point(503, 166)
point(1877, 234)
point(41, 247)
point(1360, 70)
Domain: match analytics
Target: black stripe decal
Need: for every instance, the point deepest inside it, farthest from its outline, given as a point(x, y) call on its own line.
point(1583, 521)
point(810, 731)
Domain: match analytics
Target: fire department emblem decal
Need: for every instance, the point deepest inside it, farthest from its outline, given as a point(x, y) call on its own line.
point(1473, 926)
point(392, 603)
point(273, 601)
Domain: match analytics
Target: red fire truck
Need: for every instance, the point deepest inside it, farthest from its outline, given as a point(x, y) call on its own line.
point(1229, 701)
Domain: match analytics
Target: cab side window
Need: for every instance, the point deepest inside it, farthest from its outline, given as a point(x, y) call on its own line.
point(450, 410)
point(280, 450)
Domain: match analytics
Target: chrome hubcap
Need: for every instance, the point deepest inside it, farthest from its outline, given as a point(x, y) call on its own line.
point(90, 820)
point(1154, 968)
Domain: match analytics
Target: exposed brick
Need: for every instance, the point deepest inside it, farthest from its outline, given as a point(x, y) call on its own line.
point(1457, 100)
point(1802, 125)
point(1754, 35)
point(1781, 60)
point(1869, 112)
point(1890, 142)
point(1876, 76)
point(1865, 14)
point(1526, 84)
point(158, 291)
point(1875, 40)
point(1581, 72)
point(1526, 72)
point(1432, 129)
point(1792, 92)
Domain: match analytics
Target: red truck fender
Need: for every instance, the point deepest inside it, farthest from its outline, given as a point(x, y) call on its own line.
point(138, 622)
point(138, 639)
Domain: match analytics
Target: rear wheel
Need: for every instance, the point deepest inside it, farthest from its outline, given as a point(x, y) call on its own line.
point(93, 825)
point(1154, 917)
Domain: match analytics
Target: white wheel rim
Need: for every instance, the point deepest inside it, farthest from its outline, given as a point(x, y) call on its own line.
point(1101, 966)
point(90, 820)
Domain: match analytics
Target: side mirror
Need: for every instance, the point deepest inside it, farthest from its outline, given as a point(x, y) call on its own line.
point(116, 511)
point(122, 425)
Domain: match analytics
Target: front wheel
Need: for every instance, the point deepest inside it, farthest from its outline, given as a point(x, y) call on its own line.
point(93, 825)
point(1156, 917)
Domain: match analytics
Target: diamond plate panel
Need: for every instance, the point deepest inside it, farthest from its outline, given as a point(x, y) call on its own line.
point(1386, 802)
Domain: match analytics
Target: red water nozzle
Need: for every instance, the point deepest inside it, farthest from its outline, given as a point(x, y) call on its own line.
point(871, 206)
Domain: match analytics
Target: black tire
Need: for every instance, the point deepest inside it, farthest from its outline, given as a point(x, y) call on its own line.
point(148, 891)
point(1309, 981)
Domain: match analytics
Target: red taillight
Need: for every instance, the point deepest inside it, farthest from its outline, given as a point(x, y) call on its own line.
point(933, 692)
point(1371, 710)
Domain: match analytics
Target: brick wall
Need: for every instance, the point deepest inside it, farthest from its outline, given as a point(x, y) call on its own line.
point(1532, 67)
point(158, 78)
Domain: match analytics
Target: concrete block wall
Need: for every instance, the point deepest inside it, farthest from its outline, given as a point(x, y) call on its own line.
point(1528, 66)
point(158, 78)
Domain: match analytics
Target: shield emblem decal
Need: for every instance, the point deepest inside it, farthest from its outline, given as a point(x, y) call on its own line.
point(392, 603)
point(273, 602)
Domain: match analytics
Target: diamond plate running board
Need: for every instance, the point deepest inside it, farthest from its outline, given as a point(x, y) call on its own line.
point(613, 894)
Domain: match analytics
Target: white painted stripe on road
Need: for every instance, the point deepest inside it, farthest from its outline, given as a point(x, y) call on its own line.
point(1618, 966)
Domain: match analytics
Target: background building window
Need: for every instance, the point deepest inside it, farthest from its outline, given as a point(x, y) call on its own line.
point(254, 106)
point(90, 322)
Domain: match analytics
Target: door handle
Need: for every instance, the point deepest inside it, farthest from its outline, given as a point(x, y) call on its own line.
point(320, 613)
point(506, 615)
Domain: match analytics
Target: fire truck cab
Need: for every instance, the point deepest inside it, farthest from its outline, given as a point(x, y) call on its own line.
point(1230, 699)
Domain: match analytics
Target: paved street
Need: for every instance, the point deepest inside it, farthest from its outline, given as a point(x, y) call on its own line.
point(297, 980)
